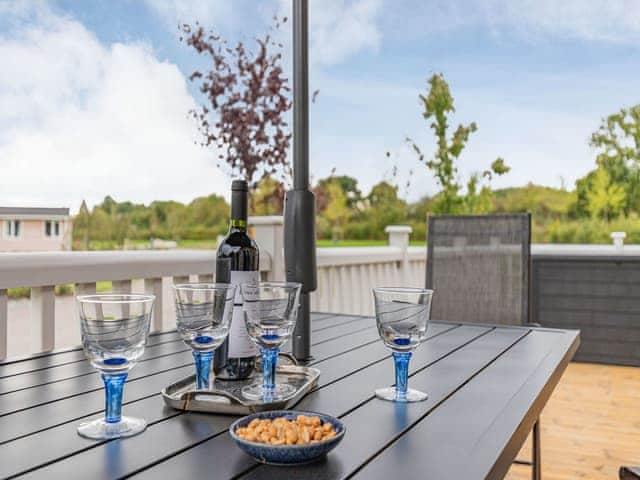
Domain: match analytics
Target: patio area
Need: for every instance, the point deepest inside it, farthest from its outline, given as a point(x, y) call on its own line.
point(496, 334)
point(590, 426)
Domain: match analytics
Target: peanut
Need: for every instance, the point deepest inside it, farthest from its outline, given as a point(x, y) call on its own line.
point(304, 430)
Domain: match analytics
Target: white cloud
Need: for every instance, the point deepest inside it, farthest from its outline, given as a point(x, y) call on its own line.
point(614, 21)
point(207, 12)
point(340, 29)
point(82, 120)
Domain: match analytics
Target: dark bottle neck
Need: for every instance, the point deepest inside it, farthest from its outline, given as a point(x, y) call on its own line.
point(237, 226)
point(239, 209)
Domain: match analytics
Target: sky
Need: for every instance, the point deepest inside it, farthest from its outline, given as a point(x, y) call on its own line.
point(94, 96)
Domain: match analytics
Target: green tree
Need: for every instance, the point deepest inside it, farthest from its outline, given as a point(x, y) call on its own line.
point(333, 207)
point(267, 198)
point(606, 199)
point(438, 106)
point(100, 222)
point(385, 208)
point(542, 202)
point(349, 186)
point(617, 141)
point(81, 225)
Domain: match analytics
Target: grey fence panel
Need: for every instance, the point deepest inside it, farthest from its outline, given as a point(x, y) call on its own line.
point(599, 296)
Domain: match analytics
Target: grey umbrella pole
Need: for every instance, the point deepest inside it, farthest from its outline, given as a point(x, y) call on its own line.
point(300, 203)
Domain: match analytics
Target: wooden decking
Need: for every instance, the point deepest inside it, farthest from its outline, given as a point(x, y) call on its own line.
point(590, 426)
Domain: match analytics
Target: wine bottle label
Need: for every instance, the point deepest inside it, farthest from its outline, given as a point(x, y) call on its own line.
point(240, 344)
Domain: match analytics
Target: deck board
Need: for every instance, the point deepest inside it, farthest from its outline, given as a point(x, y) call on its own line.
point(591, 425)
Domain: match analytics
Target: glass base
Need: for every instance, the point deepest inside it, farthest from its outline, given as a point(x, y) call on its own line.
point(391, 394)
point(257, 392)
point(100, 429)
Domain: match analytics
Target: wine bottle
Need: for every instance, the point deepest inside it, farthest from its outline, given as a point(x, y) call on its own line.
point(237, 262)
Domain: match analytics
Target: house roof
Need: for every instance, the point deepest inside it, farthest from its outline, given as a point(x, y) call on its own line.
point(33, 212)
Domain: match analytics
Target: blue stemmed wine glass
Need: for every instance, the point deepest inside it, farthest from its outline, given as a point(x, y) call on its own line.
point(402, 315)
point(114, 333)
point(270, 313)
point(203, 316)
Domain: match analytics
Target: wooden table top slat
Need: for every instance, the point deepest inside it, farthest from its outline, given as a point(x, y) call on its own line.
point(66, 412)
point(457, 365)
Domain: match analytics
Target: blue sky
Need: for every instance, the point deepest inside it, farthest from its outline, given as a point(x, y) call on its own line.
point(96, 100)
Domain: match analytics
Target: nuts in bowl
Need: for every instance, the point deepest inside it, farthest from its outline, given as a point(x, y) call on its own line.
point(305, 429)
point(287, 437)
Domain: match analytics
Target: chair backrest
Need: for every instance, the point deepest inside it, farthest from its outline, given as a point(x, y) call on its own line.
point(479, 267)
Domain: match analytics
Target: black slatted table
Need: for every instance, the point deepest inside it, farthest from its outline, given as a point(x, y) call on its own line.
point(487, 385)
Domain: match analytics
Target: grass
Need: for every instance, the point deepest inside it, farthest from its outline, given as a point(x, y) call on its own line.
point(212, 244)
point(360, 243)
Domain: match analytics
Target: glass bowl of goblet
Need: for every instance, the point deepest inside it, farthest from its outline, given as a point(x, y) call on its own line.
point(114, 333)
point(270, 313)
point(402, 316)
point(203, 318)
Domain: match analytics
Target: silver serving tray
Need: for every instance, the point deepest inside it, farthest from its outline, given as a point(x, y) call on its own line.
point(226, 396)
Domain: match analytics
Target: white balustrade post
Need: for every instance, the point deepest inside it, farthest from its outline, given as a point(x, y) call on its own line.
point(154, 286)
point(205, 278)
point(85, 288)
point(4, 307)
point(269, 234)
point(121, 286)
point(618, 240)
point(179, 279)
point(43, 317)
point(398, 236)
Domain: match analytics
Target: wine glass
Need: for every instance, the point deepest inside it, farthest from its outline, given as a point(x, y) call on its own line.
point(114, 333)
point(203, 316)
point(270, 312)
point(402, 315)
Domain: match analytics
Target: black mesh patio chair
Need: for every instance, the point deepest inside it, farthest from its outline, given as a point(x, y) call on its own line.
point(629, 473)
point(479, 267)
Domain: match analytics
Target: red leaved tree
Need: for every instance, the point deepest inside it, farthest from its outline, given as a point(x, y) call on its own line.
point(247, 97)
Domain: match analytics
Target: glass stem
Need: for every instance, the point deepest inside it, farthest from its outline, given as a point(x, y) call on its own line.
point(113, 384)
point(269, 362)
point(203, 369)
point(401, 360)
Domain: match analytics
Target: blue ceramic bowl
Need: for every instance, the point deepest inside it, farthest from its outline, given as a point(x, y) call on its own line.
point(287, 454)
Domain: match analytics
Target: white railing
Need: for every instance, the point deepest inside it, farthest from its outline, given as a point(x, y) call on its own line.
point(46, 321)
point(347, 275)
point(345, 278)
point(129, 271)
